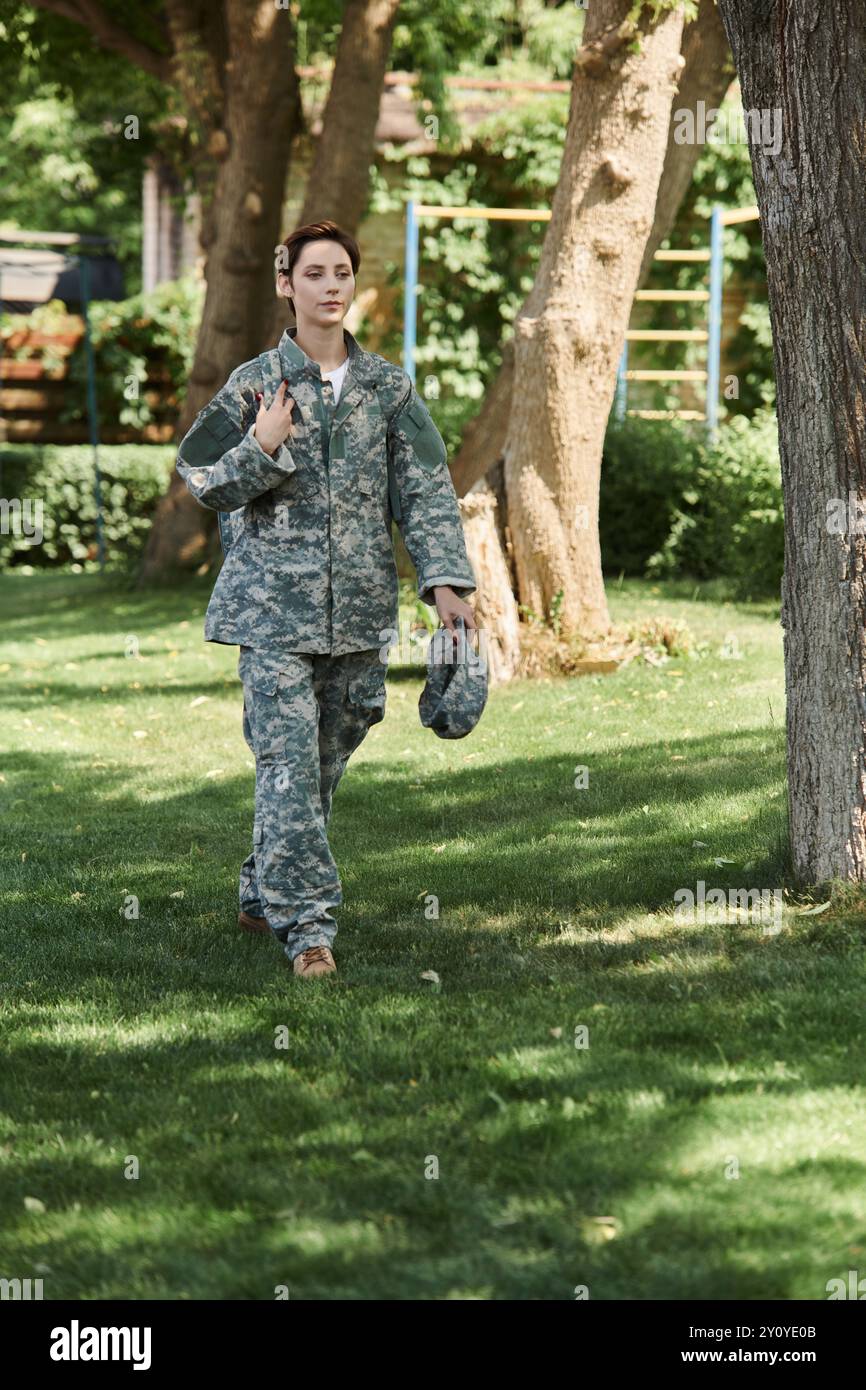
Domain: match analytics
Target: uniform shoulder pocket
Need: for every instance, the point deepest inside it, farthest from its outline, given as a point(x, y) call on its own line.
point(212, 434)
point(418, 425)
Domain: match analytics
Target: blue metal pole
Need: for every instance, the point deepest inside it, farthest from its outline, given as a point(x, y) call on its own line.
point(621, 384)
point(410, 291)
point(84, 268)
point(714, 324)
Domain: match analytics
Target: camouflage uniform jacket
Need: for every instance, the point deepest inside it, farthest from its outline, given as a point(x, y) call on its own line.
point(306, 534)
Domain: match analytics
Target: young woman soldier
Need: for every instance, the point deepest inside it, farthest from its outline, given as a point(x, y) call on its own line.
point(307, 452)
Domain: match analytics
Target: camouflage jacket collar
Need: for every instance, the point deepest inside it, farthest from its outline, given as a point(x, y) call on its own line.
point(295, 362)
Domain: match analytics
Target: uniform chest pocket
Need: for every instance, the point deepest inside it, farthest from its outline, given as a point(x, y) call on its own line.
point(304, 445)
point(300, 484)
point(274, 514)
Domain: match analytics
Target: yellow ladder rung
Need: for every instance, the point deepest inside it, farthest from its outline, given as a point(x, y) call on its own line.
point(496, 214)
point(668, 414)
point(672, 294)
point(739, 215)
point(663, 335)
point(681, 256)
point(650, 374)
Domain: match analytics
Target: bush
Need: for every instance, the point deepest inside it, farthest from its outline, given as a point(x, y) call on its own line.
point(133, 478)
point(673, 505)
point(730, 522)
point(143, 351)
point(670, 504)
point(646, 467)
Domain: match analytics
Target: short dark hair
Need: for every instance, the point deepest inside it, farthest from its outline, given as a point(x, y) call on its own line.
point(289, 250)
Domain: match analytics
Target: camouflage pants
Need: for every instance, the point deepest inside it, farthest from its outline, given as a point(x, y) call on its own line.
point(304, 716)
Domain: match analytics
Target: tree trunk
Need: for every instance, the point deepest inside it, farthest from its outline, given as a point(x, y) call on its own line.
point(339, 182)
point(810, 65)
point(494, 606)
point(263, 110)
point(706, 75)
point(569, 334)
point(260, 110)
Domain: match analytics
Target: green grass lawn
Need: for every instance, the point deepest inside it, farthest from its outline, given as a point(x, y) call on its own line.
point(707, 1143)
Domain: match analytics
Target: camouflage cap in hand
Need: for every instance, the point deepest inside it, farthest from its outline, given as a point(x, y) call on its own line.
point(456, 690)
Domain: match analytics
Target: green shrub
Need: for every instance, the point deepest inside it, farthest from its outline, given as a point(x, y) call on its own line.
point(730, 522)
point(673, 505)
point(646, 467)
point(670, 505)
point(133, 479)
point(144, 349)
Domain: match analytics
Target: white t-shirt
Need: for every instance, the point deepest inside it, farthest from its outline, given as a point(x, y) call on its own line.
point(336, 379)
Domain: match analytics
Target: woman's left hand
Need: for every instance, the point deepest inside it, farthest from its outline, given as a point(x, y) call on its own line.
point(449, 607)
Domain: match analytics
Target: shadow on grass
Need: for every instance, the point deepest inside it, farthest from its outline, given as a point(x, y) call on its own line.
point(557, 1167)
point(308, 1166)
point(511, 835)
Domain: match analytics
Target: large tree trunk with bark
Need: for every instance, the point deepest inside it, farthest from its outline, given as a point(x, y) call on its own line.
point(706, 76)
point(569, 334)
point(339, 182)
point(260, 109)
point(810, 63)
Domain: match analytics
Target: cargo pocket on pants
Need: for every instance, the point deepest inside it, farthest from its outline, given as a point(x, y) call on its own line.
point(266, 720)
point(367, 693)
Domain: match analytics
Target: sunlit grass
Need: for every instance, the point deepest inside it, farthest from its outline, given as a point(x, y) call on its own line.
point(593, 1092)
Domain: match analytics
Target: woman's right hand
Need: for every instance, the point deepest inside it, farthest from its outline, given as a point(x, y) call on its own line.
point(274, 422)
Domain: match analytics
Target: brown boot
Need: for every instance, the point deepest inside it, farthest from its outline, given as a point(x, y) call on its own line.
point(316, 960)
point(246, 922)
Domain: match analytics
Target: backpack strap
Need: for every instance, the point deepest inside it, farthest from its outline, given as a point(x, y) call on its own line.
point(398, 399)
point(271, 369)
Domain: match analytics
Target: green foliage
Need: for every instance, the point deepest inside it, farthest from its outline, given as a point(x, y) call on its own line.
point(77, 125)
point(475, 274)
point(646, 467)
point(157, 329)
point(61, 174)
point(553, 36)
point(137, 342)
point(731, 521)
point(133, 479)
point(672, 505)
point(552, 620)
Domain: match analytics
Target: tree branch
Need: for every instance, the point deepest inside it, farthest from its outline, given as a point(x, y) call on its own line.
point(110, 35)
point(595, 57)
